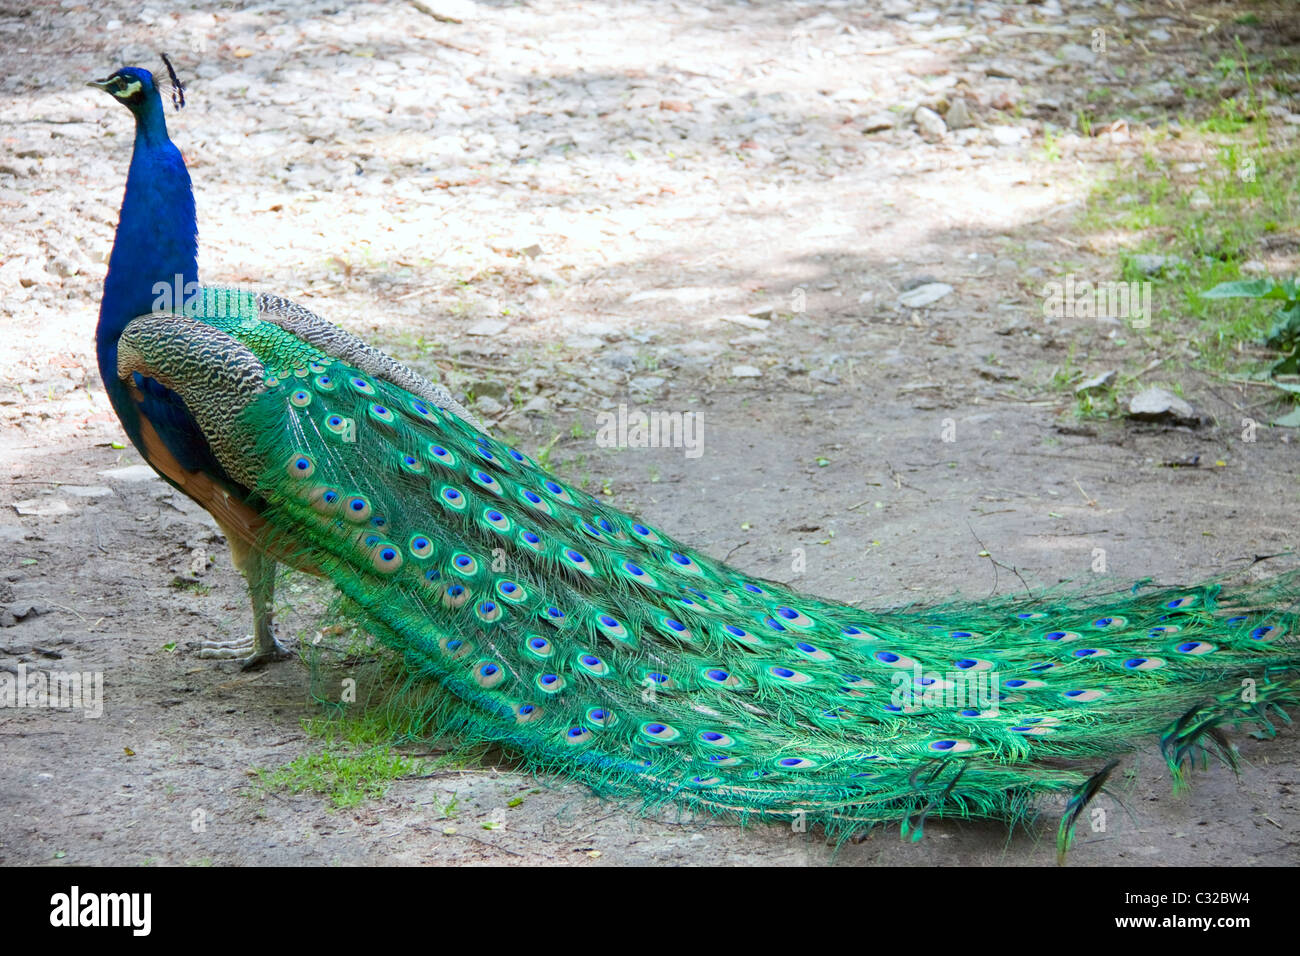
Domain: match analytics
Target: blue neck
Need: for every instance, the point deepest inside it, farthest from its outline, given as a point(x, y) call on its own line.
point(156, 242)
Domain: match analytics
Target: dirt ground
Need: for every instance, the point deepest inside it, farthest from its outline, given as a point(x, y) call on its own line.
point(557, 207)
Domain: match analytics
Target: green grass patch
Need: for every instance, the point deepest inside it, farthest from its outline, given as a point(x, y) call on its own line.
point(1205, 225)
point(346, 777)
point(1206, 211)
point(1208, 197)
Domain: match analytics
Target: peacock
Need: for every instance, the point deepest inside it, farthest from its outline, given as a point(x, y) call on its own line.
point(596, 647)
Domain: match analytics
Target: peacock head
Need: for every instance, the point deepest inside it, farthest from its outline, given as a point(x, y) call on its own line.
point(136, 89)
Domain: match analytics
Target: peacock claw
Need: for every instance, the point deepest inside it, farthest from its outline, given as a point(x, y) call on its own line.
point(252, 653)
point(277, 652)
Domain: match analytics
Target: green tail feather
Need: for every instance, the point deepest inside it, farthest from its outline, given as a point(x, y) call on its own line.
point(1075, 807)
point(600, 649)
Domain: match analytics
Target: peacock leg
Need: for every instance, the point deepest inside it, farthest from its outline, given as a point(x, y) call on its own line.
point(261, 648)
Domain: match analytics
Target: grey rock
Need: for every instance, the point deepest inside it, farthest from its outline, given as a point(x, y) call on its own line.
point(924, 295)
point(878, 122)
point(63, 266)
point(487, 405)
point(958, 115)
point(929, 122)
point(488, 388)
point(42, 507)
point(1097, 381)
point(538, 404)
point(745, 371)
point(13, 613)
point(1157, 405)
point(85, 491)
point(995, 374)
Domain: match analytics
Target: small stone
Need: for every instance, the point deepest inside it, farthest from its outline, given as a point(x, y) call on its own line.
point(745, 371)
point(1254, 267)
point(647, 383)
point(878, 122)
point(958, 115)
point(487, 405)
point(42, 508)
point(1158, 405)
point(86, 491)
point(63, 267)
point(489, 388)
point(1097, 381)
point(13, 613)
point(995, 374)
point(929, 122)
point(538, 404)
point(924, 295)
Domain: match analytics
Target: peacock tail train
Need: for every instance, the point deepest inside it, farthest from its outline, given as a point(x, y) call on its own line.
point(600, 649)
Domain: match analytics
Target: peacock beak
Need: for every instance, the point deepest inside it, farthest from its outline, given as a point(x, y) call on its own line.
point(101, 84)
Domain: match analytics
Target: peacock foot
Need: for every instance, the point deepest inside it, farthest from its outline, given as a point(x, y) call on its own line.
point(255, 654)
